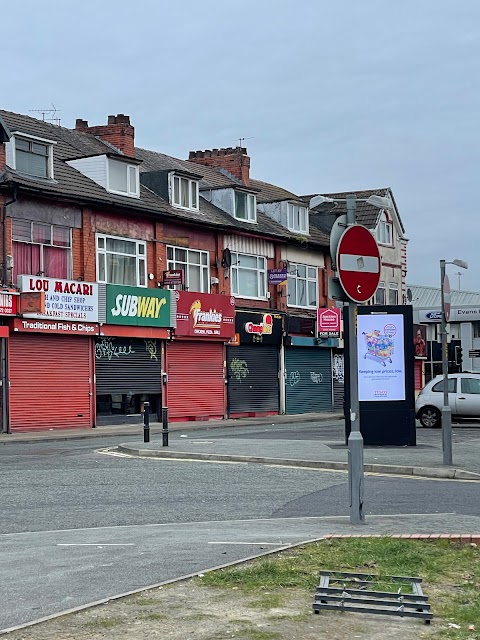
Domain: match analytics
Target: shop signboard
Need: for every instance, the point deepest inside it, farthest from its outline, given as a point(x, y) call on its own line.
point(205, 315)
point(70, 300)
point(466, 314)
point(138, 306)
point(262, 328)
point(328, 323)
point(55, 326)
point(173, 277)
point(8, 303)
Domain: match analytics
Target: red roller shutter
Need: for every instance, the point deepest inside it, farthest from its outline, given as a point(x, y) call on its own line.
point(196, 382)
point(418, 375)
point(50, 382)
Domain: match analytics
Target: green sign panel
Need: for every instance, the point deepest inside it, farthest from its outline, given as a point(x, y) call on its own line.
point(138, 306)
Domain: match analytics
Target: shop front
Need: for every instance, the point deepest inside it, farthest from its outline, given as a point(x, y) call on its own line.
point(308, 364)
point(253, 365)
point(50, 356)
point(129, 353)
point(195, 359)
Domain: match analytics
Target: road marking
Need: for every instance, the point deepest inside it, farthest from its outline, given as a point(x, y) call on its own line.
point(95, 544)
point(263, 544)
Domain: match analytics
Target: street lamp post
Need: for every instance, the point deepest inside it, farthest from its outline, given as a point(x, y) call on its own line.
point(446, 410)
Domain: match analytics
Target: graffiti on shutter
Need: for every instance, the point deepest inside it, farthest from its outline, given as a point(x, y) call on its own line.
point(338, 367)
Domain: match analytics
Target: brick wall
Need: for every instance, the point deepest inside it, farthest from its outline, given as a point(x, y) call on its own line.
point(2, 156)
point(118, 132)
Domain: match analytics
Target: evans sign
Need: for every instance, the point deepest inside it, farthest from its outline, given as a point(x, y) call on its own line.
point(466, 314)
point(138, 306)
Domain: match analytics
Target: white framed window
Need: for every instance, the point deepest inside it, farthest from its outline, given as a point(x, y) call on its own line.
point(380, 294)
point(302, 286)
point(384, 230)
point(245, 206)
point(195, 265)
point(393, 293)
point(123, 178)
point(184, 193)
point(121, 261)
point(249, 276)
point(41, 249)
point(31, 155)
point(297, 218)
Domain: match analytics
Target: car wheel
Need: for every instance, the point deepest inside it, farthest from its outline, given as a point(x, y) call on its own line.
point(430, 417)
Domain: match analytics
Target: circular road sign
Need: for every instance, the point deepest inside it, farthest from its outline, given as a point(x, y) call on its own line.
point(446, 298)
point(358, 263)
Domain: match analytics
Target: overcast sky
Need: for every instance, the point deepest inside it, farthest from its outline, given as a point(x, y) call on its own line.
point(329, 95)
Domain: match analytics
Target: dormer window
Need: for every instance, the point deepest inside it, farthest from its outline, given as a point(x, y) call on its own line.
point(245, 206)
point(184, 193)
point(297, 218)
point(30, 155)
point(123, 178)
point(384, 230)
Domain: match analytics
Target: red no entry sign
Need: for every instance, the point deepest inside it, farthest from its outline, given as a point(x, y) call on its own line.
point(358, 263)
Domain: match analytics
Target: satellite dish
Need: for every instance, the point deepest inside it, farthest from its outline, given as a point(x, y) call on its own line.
point(409, 295)
point(226, 258)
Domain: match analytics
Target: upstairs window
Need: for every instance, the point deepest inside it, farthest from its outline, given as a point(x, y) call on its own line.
point(249, 276)
point(121, 261)
point(245, 206)
point(393, 293)
point(384, 230)
point(297, 218)
point(302, 286)
point(195, 266)
point(33, 156)
point(123, 178)
point(185, 193)
point(380, 294)
point(41, 249)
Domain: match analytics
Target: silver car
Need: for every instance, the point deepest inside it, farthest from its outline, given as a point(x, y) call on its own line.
point(463, 398)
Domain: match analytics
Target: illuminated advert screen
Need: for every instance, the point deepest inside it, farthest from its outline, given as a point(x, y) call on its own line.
point(381, 357)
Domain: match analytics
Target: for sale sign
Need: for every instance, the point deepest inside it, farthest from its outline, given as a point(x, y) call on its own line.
point(328, 323)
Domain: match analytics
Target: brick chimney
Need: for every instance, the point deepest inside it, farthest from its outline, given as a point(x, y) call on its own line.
point(234, 160)
point(118, 132)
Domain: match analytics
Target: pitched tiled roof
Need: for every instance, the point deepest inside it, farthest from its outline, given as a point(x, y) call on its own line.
point(71, 184)
point(367, 214)
point(272, 193)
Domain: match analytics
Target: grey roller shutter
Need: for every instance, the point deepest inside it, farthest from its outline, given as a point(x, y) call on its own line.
point(127, 366)
point(308, 380)
point(338, 379)
point(253, 385)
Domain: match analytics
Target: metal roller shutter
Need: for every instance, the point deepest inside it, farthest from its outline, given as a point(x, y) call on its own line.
point(308, 380)
point(127, 366)
point(50, 382)
point(253, 385)
point(338, 379)
point(418, 367)
point(196, 379)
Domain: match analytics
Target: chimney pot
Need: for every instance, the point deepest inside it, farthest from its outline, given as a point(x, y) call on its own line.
point(112, 120)
point(81, 124)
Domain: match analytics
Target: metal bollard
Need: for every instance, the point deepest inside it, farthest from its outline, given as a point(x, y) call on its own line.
point(165, 426)
point(146, 421)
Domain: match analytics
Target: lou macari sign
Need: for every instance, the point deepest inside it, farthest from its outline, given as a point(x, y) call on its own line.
point(64, 299)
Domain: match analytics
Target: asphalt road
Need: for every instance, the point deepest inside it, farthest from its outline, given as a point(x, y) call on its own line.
point(78, 525)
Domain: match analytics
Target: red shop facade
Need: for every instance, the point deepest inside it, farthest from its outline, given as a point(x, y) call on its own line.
point(50, 357)
point(195, 359)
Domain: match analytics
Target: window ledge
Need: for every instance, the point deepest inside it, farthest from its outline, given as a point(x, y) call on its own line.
point(177, 206)
point(123, 193)
point(298, 306)
point(238, 295)
point(36, 178)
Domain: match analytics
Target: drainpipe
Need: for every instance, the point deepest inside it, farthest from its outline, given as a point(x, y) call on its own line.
point(4, 342)
point(4, 236)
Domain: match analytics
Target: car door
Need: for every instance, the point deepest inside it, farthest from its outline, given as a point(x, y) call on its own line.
point(468, 397)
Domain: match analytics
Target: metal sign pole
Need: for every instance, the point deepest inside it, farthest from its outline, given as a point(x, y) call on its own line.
point(355, 439)
point(446, 410)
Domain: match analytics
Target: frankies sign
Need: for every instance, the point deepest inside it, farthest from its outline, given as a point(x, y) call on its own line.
point(69, 300)
point(138, 306)
point(205, 315)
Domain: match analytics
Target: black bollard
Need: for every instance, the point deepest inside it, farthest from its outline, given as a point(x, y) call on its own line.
point(165, 426)
point(146, 421)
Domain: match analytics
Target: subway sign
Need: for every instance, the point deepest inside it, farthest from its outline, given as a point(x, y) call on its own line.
point(138, 306)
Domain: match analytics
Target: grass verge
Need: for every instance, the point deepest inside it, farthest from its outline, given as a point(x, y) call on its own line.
point(450, 572)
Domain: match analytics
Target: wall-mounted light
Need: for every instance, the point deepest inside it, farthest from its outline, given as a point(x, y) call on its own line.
point(151, 276)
